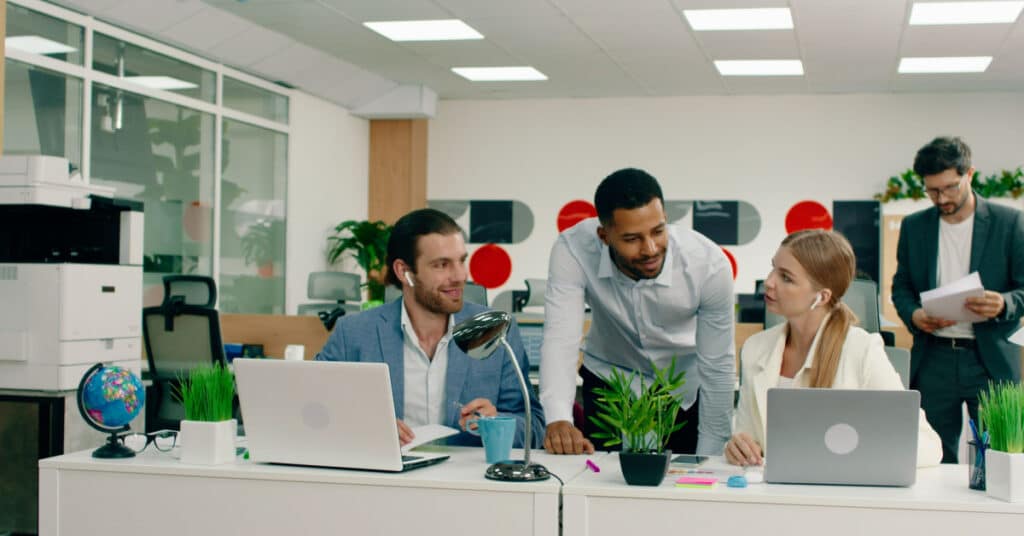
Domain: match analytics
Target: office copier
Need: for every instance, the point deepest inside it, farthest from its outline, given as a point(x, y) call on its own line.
point(70, 275)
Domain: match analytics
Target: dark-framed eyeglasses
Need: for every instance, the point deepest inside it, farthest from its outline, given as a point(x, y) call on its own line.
point(948, 191)
point(163, 440)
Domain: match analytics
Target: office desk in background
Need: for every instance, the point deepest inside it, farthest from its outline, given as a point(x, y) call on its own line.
point(601, 504)
point(156, 495)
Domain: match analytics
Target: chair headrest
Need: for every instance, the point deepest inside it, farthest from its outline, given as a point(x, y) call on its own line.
point(334, 286)
point(197, 290)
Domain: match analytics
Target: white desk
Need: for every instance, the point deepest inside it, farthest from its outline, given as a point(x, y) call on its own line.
point(939, 503)
point(156, 494)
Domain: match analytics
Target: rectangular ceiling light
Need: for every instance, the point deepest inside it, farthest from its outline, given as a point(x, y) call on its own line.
point(499, 74)
point(760, 67)
point(161, 82)
point(424, 30)
point(739, 19)
point(963, 64)
point(935, 13)
point(33, 44)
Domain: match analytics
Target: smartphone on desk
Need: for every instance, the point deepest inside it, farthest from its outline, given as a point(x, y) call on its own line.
point(689, 459)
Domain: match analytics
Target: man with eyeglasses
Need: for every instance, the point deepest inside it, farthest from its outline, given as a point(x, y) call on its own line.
point(951, 362)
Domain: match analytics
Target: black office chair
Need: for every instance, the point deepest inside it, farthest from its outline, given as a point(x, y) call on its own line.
point(338, 287)
point(180, 334)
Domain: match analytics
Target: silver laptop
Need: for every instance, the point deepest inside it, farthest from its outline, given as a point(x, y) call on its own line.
point(322, 413)
point(840, 436)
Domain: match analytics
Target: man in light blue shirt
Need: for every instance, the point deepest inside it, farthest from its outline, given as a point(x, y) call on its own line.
point(656, 292)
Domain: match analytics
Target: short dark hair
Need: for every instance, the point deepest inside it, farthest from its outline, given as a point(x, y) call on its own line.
point(627, 188)
point(405, 235)
point(941, 154)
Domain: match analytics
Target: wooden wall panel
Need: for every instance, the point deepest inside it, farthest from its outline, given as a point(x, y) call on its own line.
point(398, 167)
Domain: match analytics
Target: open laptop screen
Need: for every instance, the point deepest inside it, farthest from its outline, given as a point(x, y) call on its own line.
point(532, 334)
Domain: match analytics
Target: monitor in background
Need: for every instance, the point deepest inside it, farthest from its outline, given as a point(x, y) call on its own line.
point(532, 334)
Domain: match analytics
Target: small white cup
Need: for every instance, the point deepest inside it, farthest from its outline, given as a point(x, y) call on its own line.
point(294, 352)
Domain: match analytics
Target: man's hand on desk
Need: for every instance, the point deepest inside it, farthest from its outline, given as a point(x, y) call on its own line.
point(405, 435)
point(564, 438)
point(743, 450)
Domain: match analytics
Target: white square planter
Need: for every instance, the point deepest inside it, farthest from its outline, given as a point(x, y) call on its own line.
point(208, 443)
point(1004, 476)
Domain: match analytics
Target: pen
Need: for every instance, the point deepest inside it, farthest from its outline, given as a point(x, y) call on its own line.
point(974, 430)
point(593, 466)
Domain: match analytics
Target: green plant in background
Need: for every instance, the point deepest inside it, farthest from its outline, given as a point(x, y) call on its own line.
point(207, 393)
point(1001, 414)
point(640, 422)
point(1006, 184)
point(367, 242)
point(262, 242)
point(908, 185)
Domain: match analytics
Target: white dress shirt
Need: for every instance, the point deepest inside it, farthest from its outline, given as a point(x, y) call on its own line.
point(686, 312)
point(424, 378)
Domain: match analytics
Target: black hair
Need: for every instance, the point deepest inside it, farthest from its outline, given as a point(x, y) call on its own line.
point(405, 235)
point(941, 154)
point(627, 188)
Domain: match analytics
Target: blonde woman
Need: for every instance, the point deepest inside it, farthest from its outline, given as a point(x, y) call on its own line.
point(817, 346)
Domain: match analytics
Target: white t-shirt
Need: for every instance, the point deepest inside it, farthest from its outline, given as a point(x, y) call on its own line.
point(955, 263)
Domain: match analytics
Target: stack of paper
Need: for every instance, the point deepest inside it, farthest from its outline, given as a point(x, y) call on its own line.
point(695, 482)
point(947, 302)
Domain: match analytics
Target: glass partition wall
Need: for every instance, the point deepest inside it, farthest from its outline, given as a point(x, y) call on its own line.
point(203, 146)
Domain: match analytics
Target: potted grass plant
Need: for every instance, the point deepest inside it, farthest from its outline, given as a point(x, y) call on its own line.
point(208, 430)
point(640, 420)
point(1001, 418)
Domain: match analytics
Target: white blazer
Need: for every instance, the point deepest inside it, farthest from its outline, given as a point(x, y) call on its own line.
point(863, 364)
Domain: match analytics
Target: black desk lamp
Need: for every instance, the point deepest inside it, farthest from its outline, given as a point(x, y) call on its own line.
point(479, 337)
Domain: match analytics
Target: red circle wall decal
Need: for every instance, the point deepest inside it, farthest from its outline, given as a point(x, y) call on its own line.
point(574, 212)
point(732, 261)
point(807, 215)
point(490, 266)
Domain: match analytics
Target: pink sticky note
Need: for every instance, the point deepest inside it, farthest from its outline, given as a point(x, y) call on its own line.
point(696, 481)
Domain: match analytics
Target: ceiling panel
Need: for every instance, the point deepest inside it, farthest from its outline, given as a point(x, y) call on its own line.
point(470, 10)
point(388, 9)
point(964, 40)
point(449, 54)
point(205, 29)
point(749, 45)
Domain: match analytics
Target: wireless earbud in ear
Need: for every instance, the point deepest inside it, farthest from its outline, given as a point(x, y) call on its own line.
point(817, 300)
point(408, 279)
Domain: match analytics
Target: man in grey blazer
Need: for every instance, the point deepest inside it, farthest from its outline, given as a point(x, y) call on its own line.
point(952, 362)
point(432, 380)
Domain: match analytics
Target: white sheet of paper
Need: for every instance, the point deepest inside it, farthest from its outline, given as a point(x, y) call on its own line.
point(1017, 337)
point(947, 302)
point(427, 433)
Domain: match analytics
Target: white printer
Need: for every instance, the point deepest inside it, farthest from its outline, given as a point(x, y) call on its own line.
point(70, 276)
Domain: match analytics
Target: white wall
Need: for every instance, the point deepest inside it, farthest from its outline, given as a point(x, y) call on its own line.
point(771, 151)
point(328, 173)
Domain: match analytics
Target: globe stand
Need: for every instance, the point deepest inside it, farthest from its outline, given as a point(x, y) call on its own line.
point(114, 448)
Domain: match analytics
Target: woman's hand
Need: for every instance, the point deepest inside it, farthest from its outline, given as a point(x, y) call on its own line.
point(743, 450)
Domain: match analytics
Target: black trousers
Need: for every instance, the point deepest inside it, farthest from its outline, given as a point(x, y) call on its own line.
point(950, 377)
point(684, 441)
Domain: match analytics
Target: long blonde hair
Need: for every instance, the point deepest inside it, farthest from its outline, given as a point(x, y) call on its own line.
point(830, 263)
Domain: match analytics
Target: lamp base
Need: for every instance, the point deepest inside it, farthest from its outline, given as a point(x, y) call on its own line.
point(517, 471)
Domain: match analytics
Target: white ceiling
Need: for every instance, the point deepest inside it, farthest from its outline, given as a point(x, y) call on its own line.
point(587, 48)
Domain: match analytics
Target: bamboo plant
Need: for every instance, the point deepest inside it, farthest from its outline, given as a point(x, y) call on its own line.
point(642, 422)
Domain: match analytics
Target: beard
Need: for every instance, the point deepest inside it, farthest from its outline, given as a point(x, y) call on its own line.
point(633, 267)
point(948, 209)
point(436, 302)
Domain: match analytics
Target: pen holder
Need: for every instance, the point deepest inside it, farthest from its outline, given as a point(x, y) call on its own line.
point(976, 464)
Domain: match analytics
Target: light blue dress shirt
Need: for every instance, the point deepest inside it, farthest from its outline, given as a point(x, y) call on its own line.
point(687, 312)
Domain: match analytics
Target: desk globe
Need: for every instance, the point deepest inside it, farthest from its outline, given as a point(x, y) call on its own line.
point(108, 399)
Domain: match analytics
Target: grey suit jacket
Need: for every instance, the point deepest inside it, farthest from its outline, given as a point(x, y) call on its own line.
point(997, 254)
point(376, 336)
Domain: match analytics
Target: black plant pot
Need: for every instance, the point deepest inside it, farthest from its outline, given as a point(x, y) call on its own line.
point(644, 468)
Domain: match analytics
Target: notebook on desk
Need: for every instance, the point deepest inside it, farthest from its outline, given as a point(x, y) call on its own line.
point(322, 413)
point(841, 436)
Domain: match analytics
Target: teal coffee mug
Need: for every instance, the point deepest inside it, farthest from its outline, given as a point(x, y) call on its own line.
point(497, 434)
